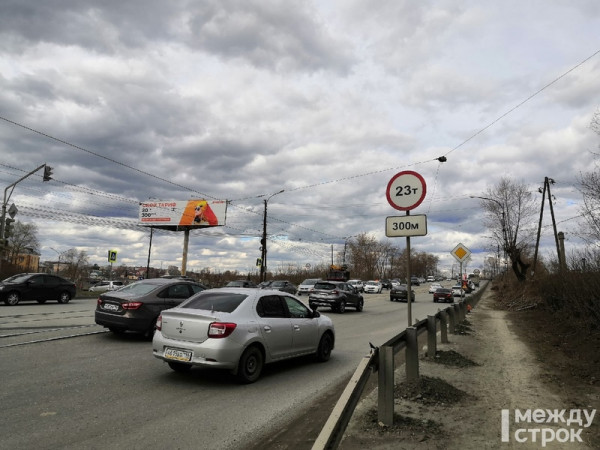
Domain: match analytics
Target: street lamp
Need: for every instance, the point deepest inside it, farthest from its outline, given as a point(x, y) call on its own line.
point(263, 241)
point(59, 255)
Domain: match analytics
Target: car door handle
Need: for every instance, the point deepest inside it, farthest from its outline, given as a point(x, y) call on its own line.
point(296, 328)
point(267, 328)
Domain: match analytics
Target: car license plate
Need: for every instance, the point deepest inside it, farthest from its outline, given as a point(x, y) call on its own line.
point(179, 355)
point(110, 307)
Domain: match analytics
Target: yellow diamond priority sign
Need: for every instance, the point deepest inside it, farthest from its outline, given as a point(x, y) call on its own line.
point(460, 253)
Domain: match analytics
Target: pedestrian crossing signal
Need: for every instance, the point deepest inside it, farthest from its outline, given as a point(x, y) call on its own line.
point(112, 256)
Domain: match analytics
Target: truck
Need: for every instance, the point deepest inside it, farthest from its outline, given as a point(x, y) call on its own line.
point(474, 277)
point(338, 273)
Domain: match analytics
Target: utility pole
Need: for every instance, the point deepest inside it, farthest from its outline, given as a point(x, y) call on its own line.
point(3, 242)
point(263, 241)
point(560, 254)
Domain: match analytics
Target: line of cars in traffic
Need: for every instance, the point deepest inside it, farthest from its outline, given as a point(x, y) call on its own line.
point(239, 327)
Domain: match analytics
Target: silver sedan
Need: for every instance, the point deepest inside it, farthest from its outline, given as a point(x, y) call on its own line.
point(241, 330)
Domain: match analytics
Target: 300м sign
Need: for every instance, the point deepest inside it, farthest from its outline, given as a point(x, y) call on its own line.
point(405, 226)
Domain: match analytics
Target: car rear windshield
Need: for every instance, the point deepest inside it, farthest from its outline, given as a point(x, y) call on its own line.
point(139, 288)
point(325, 286)
point(215, 301)
point(310, 281)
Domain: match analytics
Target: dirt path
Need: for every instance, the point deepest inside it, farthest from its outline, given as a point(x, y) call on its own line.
point(459, 401)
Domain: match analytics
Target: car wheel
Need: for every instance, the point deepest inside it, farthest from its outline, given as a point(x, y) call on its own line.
point(360, 305)
point(435, 300)
point(12, 299)
point(64, 297)
point(250, 365)
point(391, 299)
point(179, 367)
point(41, 302)
point(325, 346)
point(342, 307)
point(149, 333)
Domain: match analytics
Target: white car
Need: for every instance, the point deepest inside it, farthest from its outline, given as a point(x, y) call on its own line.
point(307, 285)
point(457, 290)
point(240, 329)
point(372, 287)
point(358, 284)
point(434, 287)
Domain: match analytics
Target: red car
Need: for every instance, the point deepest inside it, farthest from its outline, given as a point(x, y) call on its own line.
point(443, 295)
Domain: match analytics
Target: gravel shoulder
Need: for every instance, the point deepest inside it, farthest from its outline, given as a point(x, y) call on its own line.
point(501, 360)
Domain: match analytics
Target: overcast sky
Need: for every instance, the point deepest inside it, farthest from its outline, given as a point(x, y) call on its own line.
point(328, 100)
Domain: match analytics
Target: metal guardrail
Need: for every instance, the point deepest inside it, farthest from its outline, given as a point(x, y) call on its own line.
point(381, 360)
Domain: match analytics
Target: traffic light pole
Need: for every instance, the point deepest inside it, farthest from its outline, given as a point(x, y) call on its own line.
point(47, 177)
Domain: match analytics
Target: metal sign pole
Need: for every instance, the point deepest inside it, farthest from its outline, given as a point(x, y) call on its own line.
point(408, 276)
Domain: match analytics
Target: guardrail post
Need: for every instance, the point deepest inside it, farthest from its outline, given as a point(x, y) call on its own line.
point(452, 319)
point(463, 310)
point(385, 393)
point(431, 336)
point(444, 326)
point(457, 311)
point(412, 354)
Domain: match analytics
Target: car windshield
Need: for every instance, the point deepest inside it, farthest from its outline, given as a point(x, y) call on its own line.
point(237, 284)
point(18, 278)
point(325, 286)
point(215, 301)
point(372, 283)
point(310, 281)
point(278, 283)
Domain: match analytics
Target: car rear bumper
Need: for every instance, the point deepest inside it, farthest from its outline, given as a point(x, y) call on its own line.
point(215, 353)
point(123, 322)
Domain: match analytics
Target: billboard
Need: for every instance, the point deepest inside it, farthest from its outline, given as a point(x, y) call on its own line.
point(189, 213)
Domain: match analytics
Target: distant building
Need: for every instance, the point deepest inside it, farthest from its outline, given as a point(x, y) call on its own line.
point(27, 260)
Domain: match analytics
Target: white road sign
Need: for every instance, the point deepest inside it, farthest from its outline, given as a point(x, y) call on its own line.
point(405, 226)
point(406, 190)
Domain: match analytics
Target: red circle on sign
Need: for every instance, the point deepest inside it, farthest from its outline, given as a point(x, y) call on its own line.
point(407, 187)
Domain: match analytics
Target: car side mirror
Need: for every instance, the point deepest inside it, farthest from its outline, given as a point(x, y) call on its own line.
point(315, 313)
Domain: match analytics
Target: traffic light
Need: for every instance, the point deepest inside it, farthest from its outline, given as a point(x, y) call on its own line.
point(47, 173)
point(8, 227)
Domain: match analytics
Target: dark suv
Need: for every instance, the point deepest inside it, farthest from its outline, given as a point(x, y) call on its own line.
point(400, 293)
point(36, 286)
point(335, 295)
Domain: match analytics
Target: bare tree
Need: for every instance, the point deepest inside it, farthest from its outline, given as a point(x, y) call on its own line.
point(509, 209)
point(75, 263)
point(589, 186)
point(23, 238)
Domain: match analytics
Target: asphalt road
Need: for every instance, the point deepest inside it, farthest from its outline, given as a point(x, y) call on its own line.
point(98, 390)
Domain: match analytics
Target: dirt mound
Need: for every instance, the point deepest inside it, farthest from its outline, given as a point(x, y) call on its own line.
point(430, 391)
point(453, 358)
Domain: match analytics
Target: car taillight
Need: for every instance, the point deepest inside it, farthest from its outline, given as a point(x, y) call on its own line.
point(220, 329)
point(335, 292)
point(158, 325)
point(131, 305)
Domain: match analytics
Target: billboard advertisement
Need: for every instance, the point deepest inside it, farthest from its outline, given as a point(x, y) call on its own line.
point(189, 213)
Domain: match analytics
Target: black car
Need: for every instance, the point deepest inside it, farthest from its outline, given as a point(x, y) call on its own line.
point(137, 306)
point(242, 283)
point(283, 285)
point(36, 286)
point(336, 295)
point(386, 284)
point(400, 293)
